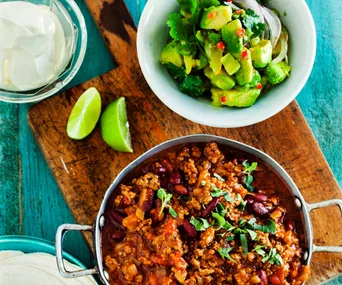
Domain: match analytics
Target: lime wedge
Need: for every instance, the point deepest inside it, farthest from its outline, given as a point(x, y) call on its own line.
point(114, 126)
point(84, 115)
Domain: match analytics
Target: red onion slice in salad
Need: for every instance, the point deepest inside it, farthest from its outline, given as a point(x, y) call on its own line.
point(274, 24)
point(283, 48)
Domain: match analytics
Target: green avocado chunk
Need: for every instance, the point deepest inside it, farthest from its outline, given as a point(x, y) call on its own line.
point(245, 73)
point(233, 42)
point(201, 62)
point(261, 54)
point(214, 55)
point(276, 73)
point(189, 63)
point(221, 80)
point(214, 18)
point(234, 98)
point(230, 64)
point(170, 54)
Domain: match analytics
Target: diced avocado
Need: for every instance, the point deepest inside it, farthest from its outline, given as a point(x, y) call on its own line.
point(189, 62)
point(276, 73)
point(214, 54)
point(234, 98)
point(170, 54)
point(221, 80)
point(255, 80)
point(201, 62)
point(232, 41)
point(214, 18)
point(261, 54)
point(214, 38)
point(230, 64)
point(255, 41)
point(245, 73)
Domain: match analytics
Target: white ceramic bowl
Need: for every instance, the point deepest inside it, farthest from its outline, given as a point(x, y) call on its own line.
point(153, 35)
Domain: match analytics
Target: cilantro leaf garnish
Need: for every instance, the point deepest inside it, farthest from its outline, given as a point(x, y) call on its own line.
point(259, 250)
point(165, 198)
point(208, 3)
point(219, 219)
point(178, 30)
point(188, 6)
point(220, 209)
point(224, 252)
point(216, 192)
point(252, 234)
point(200, 224)
point(190, 84)
point(252, 22)
point(272, 257)
point(242, 204)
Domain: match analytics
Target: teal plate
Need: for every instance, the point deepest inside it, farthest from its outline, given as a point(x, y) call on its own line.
point(31, 244)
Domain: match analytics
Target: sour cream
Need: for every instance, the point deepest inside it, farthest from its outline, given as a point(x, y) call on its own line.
point(32, 46)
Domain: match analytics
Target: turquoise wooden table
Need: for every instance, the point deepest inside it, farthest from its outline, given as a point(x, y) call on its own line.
point(30, 201)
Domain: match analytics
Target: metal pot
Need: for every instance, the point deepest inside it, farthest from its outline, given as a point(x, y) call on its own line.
point(98, 226)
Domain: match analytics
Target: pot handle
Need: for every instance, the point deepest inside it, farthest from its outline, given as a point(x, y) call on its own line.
point(324, 204)
point(59, 251)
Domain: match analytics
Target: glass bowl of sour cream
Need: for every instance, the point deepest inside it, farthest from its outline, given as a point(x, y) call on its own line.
point(42, 46)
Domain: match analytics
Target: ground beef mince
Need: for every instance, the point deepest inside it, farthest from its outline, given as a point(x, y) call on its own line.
point(202, 214)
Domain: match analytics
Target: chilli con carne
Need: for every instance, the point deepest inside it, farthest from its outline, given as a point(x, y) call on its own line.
point(201, 215)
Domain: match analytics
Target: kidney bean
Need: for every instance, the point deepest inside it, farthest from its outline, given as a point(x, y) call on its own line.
point(118, 235)
point(263, 277)
point(175, 178)
point(146, 199)
point(116, 219)
point(210, 207)
point(165, 182)
point(250, 200)
point(189, 228)
point(260, 198)
point(167, 164)
point(259, 209)
point(145, 169)
point(159, 170)
point(181, 190)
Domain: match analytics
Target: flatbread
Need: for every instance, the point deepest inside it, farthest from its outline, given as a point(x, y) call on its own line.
point(42, 262)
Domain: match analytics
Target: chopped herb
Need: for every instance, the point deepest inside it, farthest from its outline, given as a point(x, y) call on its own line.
point(228, 226)
point(165, 198)
point(224, 252)
point(172, 212)
point(242, 204)
point(242, 222)
point(252, 221)
point(248, 171)
point(270, 227)
point(201, 224)
point(273, 257)
point(219, 177)
point(249, 168)
point(220, 209)
point(208, 3)
point(219, 219)
point(228, 198)
point(252, 234)
point(259, 250)
point(244, 244)
point(253, 23)
point(216, 192)
point(248, 182)
point(230, 238)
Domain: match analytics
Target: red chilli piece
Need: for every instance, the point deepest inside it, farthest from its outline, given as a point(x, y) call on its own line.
point(224, 99)
point(240, 32)
point(259, 86)
point(220, 45)
point(244, 54)
point(212, 15)
point(238, 12)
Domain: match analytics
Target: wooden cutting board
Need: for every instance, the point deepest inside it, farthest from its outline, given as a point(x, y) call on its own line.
point(85, 169)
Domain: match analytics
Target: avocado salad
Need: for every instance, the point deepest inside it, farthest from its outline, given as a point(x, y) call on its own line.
point(232, 51)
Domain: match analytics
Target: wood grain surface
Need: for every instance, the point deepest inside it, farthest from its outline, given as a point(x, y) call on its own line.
point(85, 169)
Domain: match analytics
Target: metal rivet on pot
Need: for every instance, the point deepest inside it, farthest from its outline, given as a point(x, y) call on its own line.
point(298, 203)
point(102, 221)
